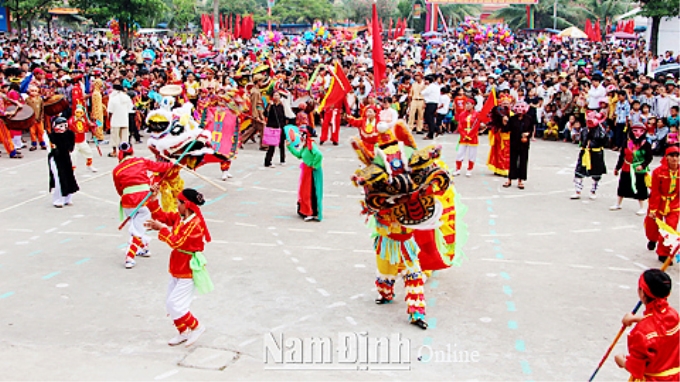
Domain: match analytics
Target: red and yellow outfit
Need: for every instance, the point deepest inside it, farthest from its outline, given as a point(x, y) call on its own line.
point(80, 126)
point(367, 130)
point(468, 128)
point(186, 238)
point(664, 202)
point(131, 178)
point(654, 343)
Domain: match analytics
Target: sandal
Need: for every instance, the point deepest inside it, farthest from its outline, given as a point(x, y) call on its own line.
point(520, 186)
point(112, 155)
point(507, 184)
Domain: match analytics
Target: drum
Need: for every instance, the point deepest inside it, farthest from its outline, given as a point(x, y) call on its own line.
point(55, 105)
point(170, 90)
point(24, 119)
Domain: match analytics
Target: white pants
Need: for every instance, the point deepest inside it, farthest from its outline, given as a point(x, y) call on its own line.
point(119, 135)
point(84, 149)
point(57, 198)
point(17, 142)
point(180, 294)
point(136, 227)
point(466, 150)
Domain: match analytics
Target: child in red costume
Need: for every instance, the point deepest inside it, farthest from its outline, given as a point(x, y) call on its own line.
point(468, 128)
point(654, 342)
point(131, 178)
point(80, 125)
point(664, 202)
point(186, 233)
point(367, 125)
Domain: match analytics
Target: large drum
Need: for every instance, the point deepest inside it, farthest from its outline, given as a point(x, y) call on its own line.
point(55, 105)
point(19, 120)
point(170, 90)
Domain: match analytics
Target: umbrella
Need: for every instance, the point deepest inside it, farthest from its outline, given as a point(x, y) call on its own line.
point(624, 36)
point(573, 32)
point(435, 41)
point(431, 34)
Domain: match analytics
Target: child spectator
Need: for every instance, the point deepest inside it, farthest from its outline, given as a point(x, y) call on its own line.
point(551, 132)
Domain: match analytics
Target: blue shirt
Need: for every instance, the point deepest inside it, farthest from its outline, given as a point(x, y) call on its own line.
point(622, 111)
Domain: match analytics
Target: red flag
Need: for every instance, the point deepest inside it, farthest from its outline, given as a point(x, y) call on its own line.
point(588, 30)
point(204, 24)
point(379, 65)
point(485, 113)
point(631, 26)
point(390, 33)
point(237, 27)
point(338, 89)
point(597, 34)
point(247, 27)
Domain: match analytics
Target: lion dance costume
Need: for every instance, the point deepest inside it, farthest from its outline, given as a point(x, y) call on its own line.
point(410, 204)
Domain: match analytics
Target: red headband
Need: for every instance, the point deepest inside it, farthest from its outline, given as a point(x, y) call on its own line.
point(645, 288)
point(197, 210)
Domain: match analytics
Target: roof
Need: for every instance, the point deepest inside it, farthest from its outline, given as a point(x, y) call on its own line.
point(63, 11)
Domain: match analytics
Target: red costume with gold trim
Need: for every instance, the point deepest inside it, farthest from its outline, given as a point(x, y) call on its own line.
point(80, 126)
point(653, 344)
point(468, 127)
point(132, 182)
point(180, 236)
point(134, 171)
point(664, 203)
point(368, 130)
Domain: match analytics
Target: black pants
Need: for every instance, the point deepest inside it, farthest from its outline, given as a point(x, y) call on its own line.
point(619, 136)
point(519, 160)
point(430, 114)
point(132, 123)
point(270, 151)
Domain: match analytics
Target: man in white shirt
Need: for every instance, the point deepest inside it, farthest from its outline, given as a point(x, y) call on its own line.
point(119, 107)
point(431, 96)
point(597, 93)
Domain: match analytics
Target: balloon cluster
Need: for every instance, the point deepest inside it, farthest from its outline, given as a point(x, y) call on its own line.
point(115, 27)
point(472, 31)
point(270, 38)
point(319, 30)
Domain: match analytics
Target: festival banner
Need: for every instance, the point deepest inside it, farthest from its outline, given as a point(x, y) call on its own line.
point(221, 122)
point(417, 10)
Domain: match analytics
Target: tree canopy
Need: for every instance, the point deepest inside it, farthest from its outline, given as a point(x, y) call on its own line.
point(301, 11)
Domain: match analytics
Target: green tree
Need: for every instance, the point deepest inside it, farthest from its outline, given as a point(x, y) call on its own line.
point(606, 9)
point(300, 11)
point(28, 11)
point(456, 13)
point(657, 10)
point(568, 14)
point(183, 12)
point(360, 10)
point(128, 12)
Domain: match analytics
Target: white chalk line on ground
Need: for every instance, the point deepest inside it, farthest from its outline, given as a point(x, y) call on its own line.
point(46, 196)
point(22, 165)
point(580, 266)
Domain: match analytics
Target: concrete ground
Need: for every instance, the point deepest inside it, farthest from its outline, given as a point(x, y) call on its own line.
point(540, 296)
